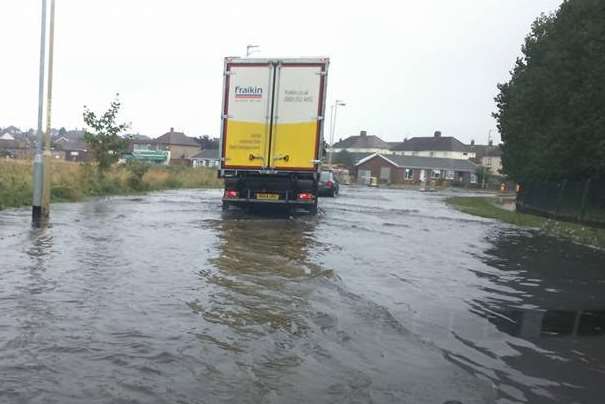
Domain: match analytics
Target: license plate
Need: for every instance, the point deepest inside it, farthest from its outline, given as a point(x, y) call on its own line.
point(268, 197)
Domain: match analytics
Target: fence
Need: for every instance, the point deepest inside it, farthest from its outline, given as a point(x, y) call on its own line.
point(579, 201)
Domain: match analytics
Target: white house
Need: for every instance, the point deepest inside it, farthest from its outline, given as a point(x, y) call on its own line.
point(435, 146)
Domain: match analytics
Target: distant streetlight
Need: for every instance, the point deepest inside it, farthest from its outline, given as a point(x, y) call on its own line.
point(334, 110)
point(250, 49)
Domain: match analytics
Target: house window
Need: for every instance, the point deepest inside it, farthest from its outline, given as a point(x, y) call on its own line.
point(473, 178)
point(436, 174)
point(408, 174)
point(449, 175)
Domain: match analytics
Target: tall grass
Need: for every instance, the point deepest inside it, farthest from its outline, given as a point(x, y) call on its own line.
point(74, 181)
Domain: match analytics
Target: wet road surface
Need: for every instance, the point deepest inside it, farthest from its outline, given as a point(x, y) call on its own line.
point(385, 297)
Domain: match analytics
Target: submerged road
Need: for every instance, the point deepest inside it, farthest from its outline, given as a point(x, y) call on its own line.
point(385, 297)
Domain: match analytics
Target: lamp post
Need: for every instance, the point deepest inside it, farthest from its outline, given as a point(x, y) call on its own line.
point(38, 170)
point(46, 156)
point(334, 109)
point(250, 49)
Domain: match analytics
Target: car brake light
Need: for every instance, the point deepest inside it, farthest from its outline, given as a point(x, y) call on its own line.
point(329, 184)
point(306, 196)
point(230, 194)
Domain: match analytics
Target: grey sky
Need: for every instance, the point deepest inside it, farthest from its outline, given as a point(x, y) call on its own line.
point(405, 68)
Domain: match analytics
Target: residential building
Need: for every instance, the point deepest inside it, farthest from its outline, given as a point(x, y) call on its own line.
point(206, 158)
point(435, 146)
point(75, 149)
point(180, 146)
point(363, 143)
point(488, 156)
point(398, 169)
point(12, 148)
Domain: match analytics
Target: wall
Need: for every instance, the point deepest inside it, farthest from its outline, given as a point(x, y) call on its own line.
point(493, 164)
point(375, 164)
point(183, 152)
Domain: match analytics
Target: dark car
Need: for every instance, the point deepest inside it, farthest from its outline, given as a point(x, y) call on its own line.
point(328, 186)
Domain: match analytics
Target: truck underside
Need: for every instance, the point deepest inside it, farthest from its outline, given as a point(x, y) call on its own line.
point(290, 190)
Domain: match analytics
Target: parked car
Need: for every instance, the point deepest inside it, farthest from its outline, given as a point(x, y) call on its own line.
point(328, 185)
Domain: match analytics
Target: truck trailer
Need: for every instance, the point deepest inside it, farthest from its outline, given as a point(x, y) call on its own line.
point(272, 131)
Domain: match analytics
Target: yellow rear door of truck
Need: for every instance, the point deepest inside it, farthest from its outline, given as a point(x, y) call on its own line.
point(299, 104)
point(246, 115)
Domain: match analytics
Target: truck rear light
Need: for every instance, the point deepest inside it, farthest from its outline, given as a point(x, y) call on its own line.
point(306, 196)
point(230, 194)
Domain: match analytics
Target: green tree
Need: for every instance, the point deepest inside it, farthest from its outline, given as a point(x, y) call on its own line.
point(345, 158)
point(104, 137)
point(551, 114)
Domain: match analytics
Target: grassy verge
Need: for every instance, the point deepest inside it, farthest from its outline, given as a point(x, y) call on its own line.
point(74, 182)
point(486, 207)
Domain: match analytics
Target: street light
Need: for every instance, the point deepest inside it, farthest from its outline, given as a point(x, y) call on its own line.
point(250, 49)
point(41, 169)
point(334, 109)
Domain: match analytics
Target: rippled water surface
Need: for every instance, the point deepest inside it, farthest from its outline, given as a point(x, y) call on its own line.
point(385, 297)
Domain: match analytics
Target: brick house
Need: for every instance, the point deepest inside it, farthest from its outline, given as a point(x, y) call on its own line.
point(394, 169)
point(182, 148)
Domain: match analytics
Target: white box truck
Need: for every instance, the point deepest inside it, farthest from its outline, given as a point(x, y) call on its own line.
point(272, 131)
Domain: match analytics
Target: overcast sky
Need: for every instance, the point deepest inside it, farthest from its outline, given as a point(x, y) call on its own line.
point(405, 68)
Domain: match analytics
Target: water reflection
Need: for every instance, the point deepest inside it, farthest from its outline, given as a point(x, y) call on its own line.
point(532, 324)
point(259, 281)
point(549, 318)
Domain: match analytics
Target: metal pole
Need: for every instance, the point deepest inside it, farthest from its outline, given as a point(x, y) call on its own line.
point(336, 104)
point(49, 94)
point(38, 168)
point(331, 134)
point(251, 49)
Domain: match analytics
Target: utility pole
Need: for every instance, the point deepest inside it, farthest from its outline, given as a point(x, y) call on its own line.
point(38, 170)
point(334, 109)
point(49, 94)
point(487, 169)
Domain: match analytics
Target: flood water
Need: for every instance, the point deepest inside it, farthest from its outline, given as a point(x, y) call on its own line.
point(384, 297)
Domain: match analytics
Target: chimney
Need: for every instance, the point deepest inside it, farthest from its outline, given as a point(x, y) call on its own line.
point(438, 133)
point(171, 130)
point(363, 133)
point(473, 142)
point(490, 143)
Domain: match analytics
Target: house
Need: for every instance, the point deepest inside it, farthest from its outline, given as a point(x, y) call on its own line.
point(435, 146)
point(180, 146)
point(363, 143)
point(12, 148)
point(397, 169)
point(488, 156)
point(75, 149)
point(206, 158)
